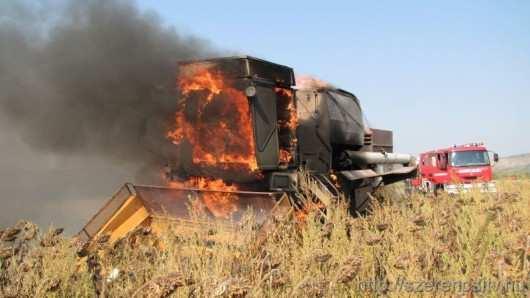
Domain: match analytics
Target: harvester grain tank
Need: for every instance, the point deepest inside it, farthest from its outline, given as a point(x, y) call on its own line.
point(246, 137)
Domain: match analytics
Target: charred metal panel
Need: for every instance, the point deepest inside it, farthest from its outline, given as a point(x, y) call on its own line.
point(283, 181)
point(263, 106)
point(346, 119)
point(382, 140)
point(361, 198)
point(250, 67)
point(261, 69)
point(314, 147)
point(400, 174)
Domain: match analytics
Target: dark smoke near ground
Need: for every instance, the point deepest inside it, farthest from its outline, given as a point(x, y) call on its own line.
point(99, 81)
point(89, 88)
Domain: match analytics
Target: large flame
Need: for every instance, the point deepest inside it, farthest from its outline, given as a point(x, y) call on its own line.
point(214, 117)
point(218, 197)
point(287, 122)
point(220, 202)
point(301, 215)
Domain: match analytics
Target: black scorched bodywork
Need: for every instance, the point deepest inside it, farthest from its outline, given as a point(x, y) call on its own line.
point(312, 137)
point(331, 140)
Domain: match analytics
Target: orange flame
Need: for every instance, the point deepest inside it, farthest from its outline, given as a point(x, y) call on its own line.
point(219, 201)
point(287, 122)
point(292, 121)
point(285, 156)
point(215, 119)
point(301, 215)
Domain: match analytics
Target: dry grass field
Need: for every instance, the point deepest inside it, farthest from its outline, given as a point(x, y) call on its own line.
point(468, 245)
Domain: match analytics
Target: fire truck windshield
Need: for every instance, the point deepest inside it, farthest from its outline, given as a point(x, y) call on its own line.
point(469, 158)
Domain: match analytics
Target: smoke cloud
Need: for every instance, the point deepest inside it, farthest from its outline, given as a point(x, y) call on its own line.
point(97, 79)
point(87, 92)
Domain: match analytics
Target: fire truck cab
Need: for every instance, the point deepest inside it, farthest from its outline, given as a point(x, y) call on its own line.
point(456, 169)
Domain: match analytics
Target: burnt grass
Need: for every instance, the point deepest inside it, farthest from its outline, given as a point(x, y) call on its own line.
point(409, 244)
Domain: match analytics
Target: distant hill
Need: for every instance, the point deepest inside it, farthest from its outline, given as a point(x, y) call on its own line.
point(515, 164)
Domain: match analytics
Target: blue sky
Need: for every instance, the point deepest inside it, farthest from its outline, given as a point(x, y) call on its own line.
point(436, 73)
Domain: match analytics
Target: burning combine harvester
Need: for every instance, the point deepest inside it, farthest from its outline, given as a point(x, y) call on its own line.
point(246, 138)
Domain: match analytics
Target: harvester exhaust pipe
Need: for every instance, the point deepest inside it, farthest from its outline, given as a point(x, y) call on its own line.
point(367, 158)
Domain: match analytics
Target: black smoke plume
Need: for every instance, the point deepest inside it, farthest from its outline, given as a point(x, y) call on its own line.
point(96, 78)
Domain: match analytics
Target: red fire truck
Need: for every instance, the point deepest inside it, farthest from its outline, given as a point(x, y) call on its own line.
point(456, 169)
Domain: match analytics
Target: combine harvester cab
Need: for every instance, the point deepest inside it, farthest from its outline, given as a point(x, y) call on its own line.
point(247, 138)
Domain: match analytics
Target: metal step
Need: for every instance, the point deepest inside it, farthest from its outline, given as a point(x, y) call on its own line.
point(321, 188)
